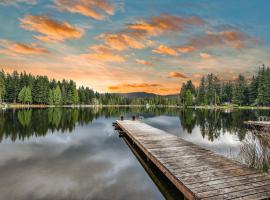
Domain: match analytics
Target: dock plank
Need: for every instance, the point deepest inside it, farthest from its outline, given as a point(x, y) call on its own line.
point(197, 172)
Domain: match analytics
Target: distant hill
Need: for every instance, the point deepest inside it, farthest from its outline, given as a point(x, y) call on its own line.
point(134, 95)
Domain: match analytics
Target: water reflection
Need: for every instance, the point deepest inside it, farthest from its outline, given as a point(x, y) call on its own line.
point(19, 124)
point(61, 153)
point(165, 186)
point(88, 163)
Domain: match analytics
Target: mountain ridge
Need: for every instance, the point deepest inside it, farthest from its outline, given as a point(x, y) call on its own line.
point(133, 95)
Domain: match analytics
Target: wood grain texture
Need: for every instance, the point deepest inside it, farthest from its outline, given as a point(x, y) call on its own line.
point(197, 172)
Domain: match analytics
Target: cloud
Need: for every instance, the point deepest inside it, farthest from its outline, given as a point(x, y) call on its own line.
point(101, 49)
point(90, 8)
point(233, 39)
point(165, 50)
point(15, 48)
point(143, 62)
point(137, 35)
point(186, 49)
point(125, 86)
point(15, 2)
point(50, 30)
point(122, 41)
point(103, 53)
point(176, 75)
point(164, 23)
point(205, 56)
point(105, 57)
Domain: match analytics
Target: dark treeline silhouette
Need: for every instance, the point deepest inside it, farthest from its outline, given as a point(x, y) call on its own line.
point(242, 92)
point(29, 89)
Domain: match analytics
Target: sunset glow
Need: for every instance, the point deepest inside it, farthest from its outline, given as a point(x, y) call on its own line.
point(130, 46)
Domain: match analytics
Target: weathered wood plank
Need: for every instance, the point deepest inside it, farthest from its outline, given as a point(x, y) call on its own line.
point(197, 172)
point(223, 182)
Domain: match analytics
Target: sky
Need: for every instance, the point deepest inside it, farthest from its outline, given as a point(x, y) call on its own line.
point(129, 46)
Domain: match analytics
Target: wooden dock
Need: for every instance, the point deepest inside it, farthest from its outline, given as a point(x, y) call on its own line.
point(197, 172)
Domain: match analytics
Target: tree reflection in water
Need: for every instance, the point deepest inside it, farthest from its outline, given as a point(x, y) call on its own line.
point(20, 124)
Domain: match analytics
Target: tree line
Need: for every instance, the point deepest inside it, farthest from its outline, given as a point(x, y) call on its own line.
point(241, 92)
point(29, 89)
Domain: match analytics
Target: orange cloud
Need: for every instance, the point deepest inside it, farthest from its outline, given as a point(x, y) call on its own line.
point(50, 29)
point(133, 85)
point(105, 57)
point(205, 56)
point(14, 48)
point(101, 49)
point(122, 41)
point(234, 39)
point(158, 25)
point(165, 50)
point(176, 75)
point(186, 49)
point(103, 54)
point(143, 62)
point(89, 8)
point(136, 35)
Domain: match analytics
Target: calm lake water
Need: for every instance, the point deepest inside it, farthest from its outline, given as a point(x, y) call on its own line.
point(76, 153)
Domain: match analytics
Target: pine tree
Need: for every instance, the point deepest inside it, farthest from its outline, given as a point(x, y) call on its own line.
point(2, 86)
point(239, 91)
point(253, 90)
point(188, 98)
point(25, 95)
point(187, 87)
point(210, 90)
point(40, 90)
point(82, 95)
point(201, 98)
point(267, 86)
point(50, 97)
point(16, 86)
point(57, 96)
point(73, 96)
point(64, 95)
point(28, 96)
point(262, 87)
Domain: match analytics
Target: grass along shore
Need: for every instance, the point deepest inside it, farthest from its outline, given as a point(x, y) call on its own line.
point(16, 105)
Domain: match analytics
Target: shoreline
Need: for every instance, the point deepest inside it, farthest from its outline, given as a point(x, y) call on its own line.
point(14, 106)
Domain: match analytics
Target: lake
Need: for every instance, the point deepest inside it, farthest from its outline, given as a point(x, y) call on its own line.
point(76, 153)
